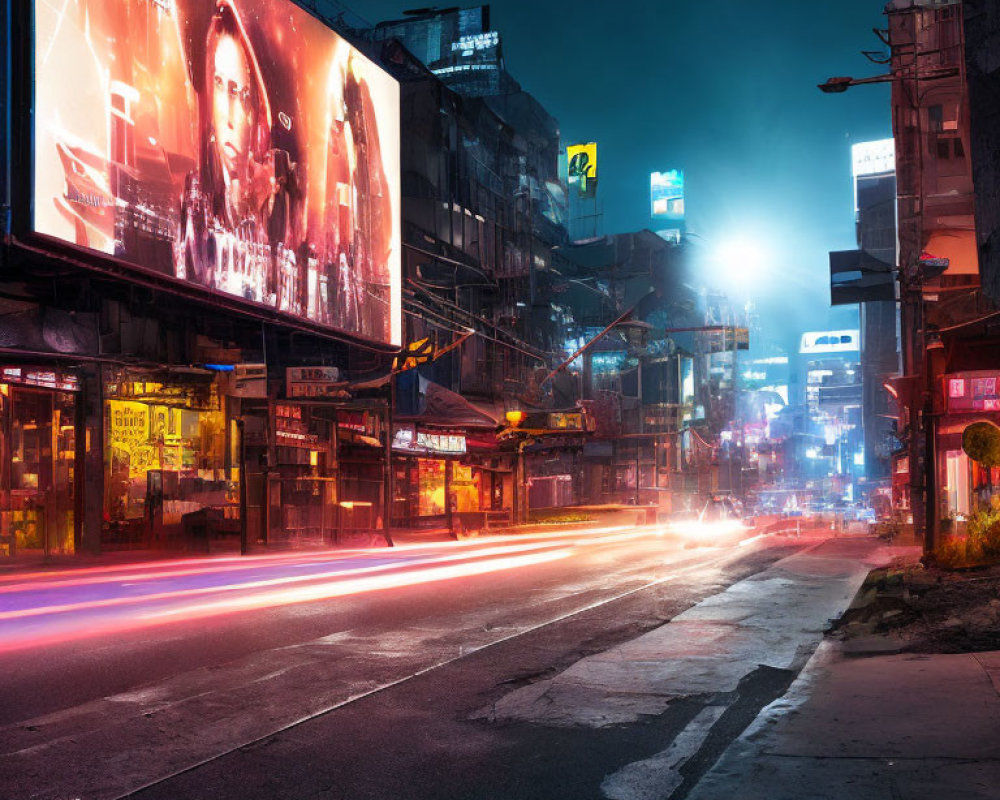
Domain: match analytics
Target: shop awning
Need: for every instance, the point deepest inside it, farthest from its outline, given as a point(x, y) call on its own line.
point(495, 411)
point(374, 383)
point(443, 408)
point(353, 437)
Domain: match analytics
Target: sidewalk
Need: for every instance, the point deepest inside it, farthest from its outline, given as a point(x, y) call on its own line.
point(901, 727)
point(864, 721)
point(771, 620)
point(873, 710)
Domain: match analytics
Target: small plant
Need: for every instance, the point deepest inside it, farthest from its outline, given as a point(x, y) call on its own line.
point(548, 518)
point(980, 522)
point(951, 553)
point(980, 545)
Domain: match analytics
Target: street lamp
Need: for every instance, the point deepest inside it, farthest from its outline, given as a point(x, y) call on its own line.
point(841, 84)
point(836, 85)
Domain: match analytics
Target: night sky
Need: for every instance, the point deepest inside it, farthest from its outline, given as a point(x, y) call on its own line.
point(726, 91)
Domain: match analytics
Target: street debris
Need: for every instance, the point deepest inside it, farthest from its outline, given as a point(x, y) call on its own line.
point(910, 608)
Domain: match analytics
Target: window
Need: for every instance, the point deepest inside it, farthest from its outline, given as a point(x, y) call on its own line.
point(950, 147)
point(935, 119)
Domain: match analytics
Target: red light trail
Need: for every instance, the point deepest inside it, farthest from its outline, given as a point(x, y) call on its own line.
point(50, 607)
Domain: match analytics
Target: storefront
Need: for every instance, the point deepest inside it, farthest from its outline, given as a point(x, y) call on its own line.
point(428, 476)
point(964, 485)
point(302, 485)
point(440, 473)
point(38, 461)
point(172, 457)
point(485, 475)
point(554, 471)
point(446, 461)
point(549, 448)
point(361, 433)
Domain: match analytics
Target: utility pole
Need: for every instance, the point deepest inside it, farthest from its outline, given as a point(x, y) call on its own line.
point(638, 441)
point(387, 489)
point(737, 427)
point(244, 534)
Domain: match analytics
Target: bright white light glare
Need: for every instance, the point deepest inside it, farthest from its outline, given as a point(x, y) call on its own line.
point(741, 259)
point(697, 531)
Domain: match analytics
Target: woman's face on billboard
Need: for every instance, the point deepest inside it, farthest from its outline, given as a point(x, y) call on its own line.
point(232, 115)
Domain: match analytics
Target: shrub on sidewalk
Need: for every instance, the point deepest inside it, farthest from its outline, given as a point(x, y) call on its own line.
point(980, 545)
point(560, 518)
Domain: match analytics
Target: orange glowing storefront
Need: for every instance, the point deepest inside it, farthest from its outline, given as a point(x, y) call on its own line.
point(440, 473)
point(176, 249)
point(171, 456)
point(38, 461)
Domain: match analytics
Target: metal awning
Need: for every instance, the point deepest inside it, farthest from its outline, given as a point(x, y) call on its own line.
point(443, 408)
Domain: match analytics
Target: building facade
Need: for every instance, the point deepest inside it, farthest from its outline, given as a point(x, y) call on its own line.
point(193, 296)
point(938, 260)
point(873, 167)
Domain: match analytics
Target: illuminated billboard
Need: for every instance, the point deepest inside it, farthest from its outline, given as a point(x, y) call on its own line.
point(830, 342)
point(666, 191)
point(873, 158)
point(581, 160)
point(238, 145)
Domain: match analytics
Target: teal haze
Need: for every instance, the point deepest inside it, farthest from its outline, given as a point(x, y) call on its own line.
point(726, 91)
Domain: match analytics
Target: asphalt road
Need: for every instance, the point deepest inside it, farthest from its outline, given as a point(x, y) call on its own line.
point(355, 675)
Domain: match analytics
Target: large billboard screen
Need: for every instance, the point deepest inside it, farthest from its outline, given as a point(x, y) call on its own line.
point(873, 158)
point(666, 191)
point(814, 342)
point(239, 145)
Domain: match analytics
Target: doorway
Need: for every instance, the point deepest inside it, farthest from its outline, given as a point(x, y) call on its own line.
point(39, 457)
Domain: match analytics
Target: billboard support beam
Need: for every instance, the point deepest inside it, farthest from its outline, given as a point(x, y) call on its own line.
point(6, 77)
point(18, 121)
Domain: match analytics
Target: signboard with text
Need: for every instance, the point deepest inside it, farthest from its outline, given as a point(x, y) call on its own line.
point(291, 429)
point(406, 438)
point(249, 380)
point(313, 383)
point(42, 378)
point(974, 391)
